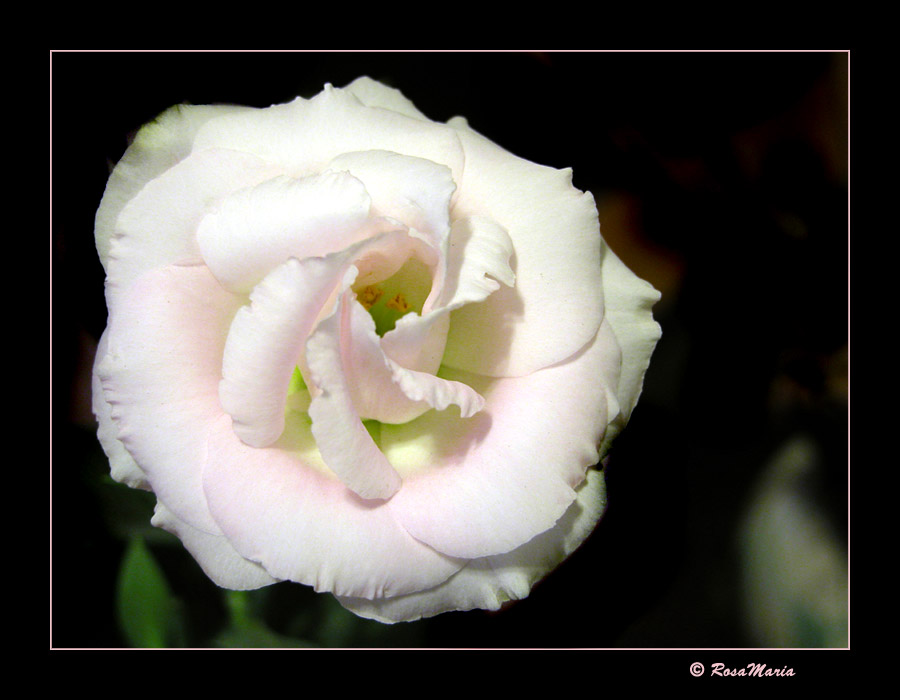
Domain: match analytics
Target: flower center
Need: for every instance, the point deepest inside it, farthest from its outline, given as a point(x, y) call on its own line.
point(391, 299)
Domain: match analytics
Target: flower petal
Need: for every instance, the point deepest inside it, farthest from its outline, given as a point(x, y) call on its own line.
point(479, 250)
point(557, 305)
point(384, 391)
point(479, 254)
point(485, 485)
point(303, 136)
point(267, 339)
point(629, 301)
point(304, 525)
point(161, 377)
point(417, 342)
point(343, 440)
point(412, 190)
point(438, 393)
point(258, 228)
point(214, 553)
point(156, 147)
point(159, 226)
point(374, 94)
point(123, 468)
point(489, 582)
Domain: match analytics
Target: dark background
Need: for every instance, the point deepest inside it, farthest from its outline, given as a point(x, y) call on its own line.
point(720, 177)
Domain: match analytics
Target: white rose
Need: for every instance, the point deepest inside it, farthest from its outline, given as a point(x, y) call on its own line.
point(357, 349)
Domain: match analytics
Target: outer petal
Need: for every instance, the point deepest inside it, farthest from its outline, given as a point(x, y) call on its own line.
point(303, 136)
point(629, 301)
point(485, 485)
point(214, 553)
point(556, 306)
point(374, 94)
point(488, 583)
point(159, 226)
point(161, 376)
point(157, 147)
point(123, 468)
point(302, 524)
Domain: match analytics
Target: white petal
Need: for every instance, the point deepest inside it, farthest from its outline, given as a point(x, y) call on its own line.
point(557, 303)
point(343, 440)
point(158, 227)
point(383, 390)
point(256, 229)
point(417, 342)
point(161, 375)
point(478, 257)
point(303, 136)
point(374, 392)
point(412, 190)
point(266, 342)
point(489, 582)
point(436, 392)
point(123, 468)
point(157, 147)
point(629, 301)
point(267, 339)
point(374, 94)
point(304, 525)
point(214, 553)
point(485, 485)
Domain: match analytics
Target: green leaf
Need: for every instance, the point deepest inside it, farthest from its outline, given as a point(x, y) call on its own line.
point(145, 606)
point(245, 631)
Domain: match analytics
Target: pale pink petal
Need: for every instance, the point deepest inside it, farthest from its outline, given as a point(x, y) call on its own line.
point(485, 485)
point(256, 229)
point(156, 147)
point(158, 226)
point(557, 303)
point(303, 136)
point(123, 468)
point(343, 440)
point(214, 553)
point(161, 377)
point(302, 524)
point(489, 582)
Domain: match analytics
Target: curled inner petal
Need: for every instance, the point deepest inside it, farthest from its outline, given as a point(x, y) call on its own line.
point(385, 391)
point(266, 340)
point(345, 444)
point(265, 343)
point(257, 228)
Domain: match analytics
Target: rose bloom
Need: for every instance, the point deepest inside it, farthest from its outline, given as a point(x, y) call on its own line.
point(354, 348)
